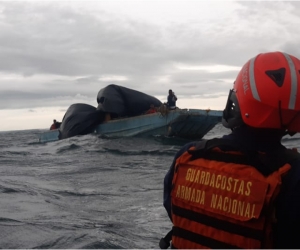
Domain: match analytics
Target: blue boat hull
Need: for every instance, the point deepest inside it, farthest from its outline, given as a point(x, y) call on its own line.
point(194, 125)
point(189, 124)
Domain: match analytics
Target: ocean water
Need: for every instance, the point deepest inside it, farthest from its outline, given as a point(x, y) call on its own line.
point(86, 191)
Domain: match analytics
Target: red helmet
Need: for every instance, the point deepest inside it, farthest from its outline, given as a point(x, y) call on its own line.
point(266, 94)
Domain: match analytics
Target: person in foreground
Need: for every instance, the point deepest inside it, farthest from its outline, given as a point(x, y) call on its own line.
point(242, 190)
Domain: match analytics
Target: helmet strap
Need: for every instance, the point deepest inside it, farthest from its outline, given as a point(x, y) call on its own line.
point(280, 115)
point(287, 132)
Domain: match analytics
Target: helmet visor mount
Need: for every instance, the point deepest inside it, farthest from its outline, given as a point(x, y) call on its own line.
point(232, 113)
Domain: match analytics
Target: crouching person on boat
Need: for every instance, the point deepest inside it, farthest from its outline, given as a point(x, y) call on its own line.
point(55, 125)
point(242, 190)
point(151, 110)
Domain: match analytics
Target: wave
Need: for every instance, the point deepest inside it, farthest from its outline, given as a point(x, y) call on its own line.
point(9, 221)
point(70, 147)
point(15, 153)
point(6, 190)
point(102, 245)
point(79, 194)
point(168, 152)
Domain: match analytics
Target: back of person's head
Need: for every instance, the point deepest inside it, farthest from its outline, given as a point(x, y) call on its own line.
point(170, 91)
point(54, 120)
point(266, 94)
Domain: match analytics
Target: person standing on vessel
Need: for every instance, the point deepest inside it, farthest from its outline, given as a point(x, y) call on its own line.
point(172, 98)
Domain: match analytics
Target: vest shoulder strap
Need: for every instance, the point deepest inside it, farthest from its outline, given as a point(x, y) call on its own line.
point(265, 163)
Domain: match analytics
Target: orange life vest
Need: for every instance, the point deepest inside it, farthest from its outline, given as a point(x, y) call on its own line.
point(53, 126)
point(151, 111)
point(219, 200)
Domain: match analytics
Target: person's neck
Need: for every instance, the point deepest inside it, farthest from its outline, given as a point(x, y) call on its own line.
point(257, 135)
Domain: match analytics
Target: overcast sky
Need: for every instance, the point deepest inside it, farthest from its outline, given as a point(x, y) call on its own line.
point(54, 53)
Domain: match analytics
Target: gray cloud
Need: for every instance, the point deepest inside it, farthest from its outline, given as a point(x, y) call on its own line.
point(60, 54)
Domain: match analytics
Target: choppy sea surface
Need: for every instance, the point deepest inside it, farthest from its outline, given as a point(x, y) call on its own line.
point(86, 191)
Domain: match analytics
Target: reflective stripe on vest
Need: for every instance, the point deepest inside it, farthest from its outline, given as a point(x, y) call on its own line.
point(218, 204)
